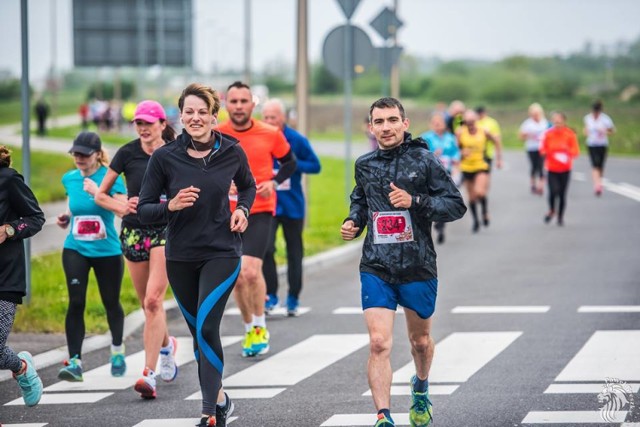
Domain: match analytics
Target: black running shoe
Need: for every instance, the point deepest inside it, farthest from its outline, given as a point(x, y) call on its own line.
point(476, 227)
point(208, 421)
point(223, 412)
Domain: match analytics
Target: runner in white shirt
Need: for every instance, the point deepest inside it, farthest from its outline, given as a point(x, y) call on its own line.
point(597, 128)
point(531, 131)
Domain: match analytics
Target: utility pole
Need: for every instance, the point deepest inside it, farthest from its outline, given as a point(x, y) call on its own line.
point(302, 69)
point(26, 119)
point(247, 41)
point(395, 69)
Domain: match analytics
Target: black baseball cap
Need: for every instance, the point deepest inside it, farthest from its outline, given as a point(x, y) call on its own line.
point(86, 143)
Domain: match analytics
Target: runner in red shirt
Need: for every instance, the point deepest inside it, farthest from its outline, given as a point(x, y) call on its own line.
point(262, 143)
point(559, 146)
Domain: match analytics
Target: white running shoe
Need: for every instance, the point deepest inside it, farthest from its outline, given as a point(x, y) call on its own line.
point(168, 367)
point(146, 385)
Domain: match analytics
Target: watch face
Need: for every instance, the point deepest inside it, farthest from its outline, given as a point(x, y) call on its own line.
point(10, 231)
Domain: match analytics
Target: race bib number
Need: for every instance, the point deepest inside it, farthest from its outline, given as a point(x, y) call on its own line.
point(88, 228)
point(561, 157)
point(392, 227)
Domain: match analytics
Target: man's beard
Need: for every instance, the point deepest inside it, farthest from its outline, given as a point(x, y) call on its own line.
point(240, 123)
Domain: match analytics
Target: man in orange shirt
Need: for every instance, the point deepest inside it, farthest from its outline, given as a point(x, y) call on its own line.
point(262, 143)
point(559, 146)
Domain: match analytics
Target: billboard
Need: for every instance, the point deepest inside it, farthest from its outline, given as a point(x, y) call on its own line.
point(132, 32)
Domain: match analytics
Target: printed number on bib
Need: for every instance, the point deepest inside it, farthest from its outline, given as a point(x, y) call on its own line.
point(561, 157)
point(88, 227)
point(392, 227)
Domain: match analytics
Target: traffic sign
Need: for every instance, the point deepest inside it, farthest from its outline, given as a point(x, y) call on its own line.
point(386, 23)
point(348, 7)
point(333, 51)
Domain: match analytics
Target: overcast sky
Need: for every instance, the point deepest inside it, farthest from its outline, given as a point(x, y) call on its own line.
point(483, 29)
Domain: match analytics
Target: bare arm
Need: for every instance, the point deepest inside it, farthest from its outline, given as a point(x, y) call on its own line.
point(117, 203)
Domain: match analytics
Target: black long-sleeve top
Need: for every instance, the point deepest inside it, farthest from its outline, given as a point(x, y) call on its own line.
point(202, 231)
point(18, 208)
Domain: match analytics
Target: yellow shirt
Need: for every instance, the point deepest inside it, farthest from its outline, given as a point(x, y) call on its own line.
point(490, 125)
point(475, 146)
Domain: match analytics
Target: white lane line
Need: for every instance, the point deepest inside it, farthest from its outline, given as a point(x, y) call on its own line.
point(357, 310)
point(434, 390)
point(578, 176)
point(460, 355)
point(607, 354)
point(26, 425)
point(624, 189)
point(279, 311)
point(175, 422)
point(64, 399)
point(245, 393)
point(609, 309)
point(299, 361)
point(500, 309)
point(571, 417)
point(344, 420)
point(100, 378)
point(583, 388)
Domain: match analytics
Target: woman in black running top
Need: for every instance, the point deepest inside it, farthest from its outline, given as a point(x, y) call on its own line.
point(203, 246)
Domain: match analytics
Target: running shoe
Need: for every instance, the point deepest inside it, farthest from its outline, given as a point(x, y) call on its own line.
point(118, 364)
point(485, 221)
point(271, 303)
point(548, 217)
point(292, 306)
point(146, 385)
point(247, 344)
point(208, 421)
point(260, 343)
point(223, 412)
point(383, 421)
point(420, 414)
point(476, 226)
point(168, 367)
point(29, 381)
point(72, 370)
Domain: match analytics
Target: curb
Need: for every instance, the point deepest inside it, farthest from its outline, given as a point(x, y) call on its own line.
point(135, 319)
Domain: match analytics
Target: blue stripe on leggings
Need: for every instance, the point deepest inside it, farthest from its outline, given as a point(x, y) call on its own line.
point(190, 319)
point(204, 311)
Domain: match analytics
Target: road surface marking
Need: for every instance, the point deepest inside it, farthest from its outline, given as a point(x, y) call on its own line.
point(244, 393)
point(571, 417)
point(64, 399)
point(357, 310)
point(609, 309)
point(434, 390)
point(500, 309)
point(582, 388)
point(176, 422)
point(299, 361)
point(607, 354)
point(340, 420)
point(279, 311)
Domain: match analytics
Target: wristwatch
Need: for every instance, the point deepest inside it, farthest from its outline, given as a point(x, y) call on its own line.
point(244, 210)
point(10, 231)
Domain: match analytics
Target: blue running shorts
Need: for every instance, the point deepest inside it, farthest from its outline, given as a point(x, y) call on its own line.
point(417, 296)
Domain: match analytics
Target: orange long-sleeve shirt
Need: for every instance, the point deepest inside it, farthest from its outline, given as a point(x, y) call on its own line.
point(559, 146)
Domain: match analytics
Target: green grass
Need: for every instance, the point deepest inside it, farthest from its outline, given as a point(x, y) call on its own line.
point(46, 312)
point(67, 102)
point(46, 172)
point(70, 132)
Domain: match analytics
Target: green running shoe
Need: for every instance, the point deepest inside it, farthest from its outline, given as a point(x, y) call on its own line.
point(383, 421)
point(72, 370)
point(247, 344)
point(420, 414)
point(260, 344)
point(29, 381)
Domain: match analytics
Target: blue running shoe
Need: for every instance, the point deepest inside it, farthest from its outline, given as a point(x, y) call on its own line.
point(420, 414)
point(292, 306)
point(29, 381)
point(383, 421)
point(72, 370)
point(118, 364)
point(271, 303)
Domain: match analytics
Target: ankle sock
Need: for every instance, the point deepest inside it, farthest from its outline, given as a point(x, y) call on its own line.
point(224, 402)
point(248, 327)
point(386, 412)
point(260, 321)
point(420, 386)
point(117, 349)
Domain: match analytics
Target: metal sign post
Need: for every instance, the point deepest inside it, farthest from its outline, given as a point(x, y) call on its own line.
point(26, 119)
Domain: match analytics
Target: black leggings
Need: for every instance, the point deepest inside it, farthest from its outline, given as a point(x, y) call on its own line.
point(535, 159)
point(8, 358)
point(558, 185)
point(202, 289)
point(292, 229)
point(108, 271)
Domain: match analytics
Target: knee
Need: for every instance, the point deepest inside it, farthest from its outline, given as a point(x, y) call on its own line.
point(152, 304)
point(380, 345)
point(421, 344)
point(248, 275)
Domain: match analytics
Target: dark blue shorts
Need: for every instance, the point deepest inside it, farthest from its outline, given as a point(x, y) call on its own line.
point(417, 296)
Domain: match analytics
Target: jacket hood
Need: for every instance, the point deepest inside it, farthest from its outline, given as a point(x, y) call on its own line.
point(406, 143)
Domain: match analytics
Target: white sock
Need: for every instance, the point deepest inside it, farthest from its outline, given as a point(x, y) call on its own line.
point(117, 348)
point(248, 327)
point(260, 321)
point(224, 402)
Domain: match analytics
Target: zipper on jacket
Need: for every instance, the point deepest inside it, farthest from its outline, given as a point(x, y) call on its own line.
point(395, 179)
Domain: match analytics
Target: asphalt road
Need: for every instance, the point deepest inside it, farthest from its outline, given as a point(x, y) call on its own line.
point(531, 319)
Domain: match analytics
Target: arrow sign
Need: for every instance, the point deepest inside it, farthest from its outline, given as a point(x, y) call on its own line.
point(386, 23)
point(348, 7)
